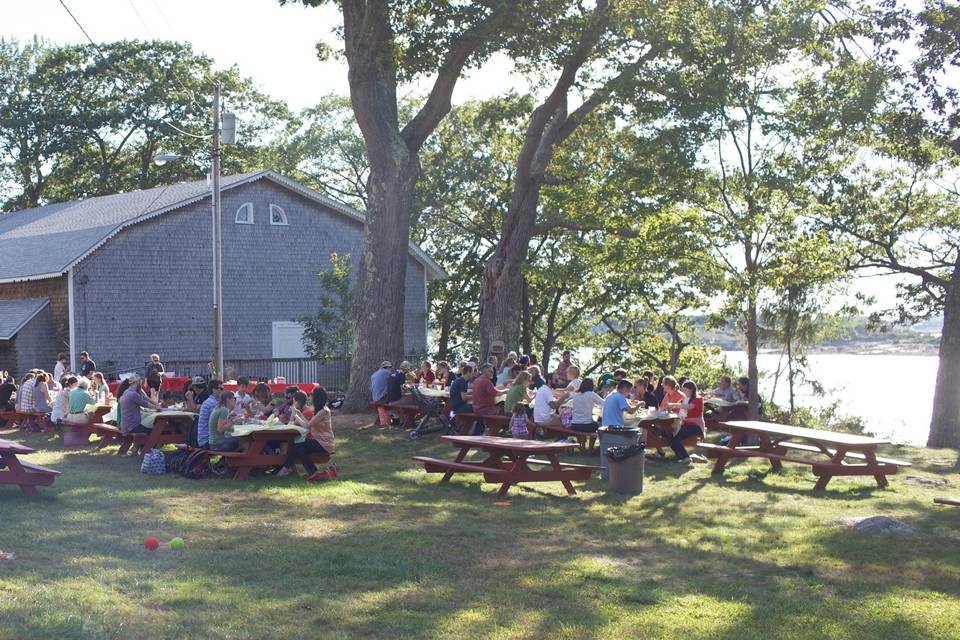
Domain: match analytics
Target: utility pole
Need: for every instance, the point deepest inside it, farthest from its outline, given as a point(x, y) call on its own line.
point(217, 362)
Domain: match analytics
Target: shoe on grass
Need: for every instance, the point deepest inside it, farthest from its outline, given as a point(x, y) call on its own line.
point(684, 461)
point(284, 471)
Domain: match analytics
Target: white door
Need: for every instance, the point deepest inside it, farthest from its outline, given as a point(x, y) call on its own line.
point(287, 340)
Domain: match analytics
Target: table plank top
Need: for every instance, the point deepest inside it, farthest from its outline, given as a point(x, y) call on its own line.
point(14, 447)
point(813, 435)
point(507, 444)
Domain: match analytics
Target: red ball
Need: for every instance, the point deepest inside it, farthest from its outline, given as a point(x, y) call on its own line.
point(151, 543)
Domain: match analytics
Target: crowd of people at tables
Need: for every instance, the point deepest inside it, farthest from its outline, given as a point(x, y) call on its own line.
point(563, 398)
point(63, 397)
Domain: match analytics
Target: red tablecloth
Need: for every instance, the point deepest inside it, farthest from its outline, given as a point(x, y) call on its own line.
point(275, 389)
point(174, 384)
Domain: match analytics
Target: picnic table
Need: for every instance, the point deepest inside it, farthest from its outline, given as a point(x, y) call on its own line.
point(265, 445)
point(166, 427)
point(723, 411)
point(15, 471)
point(508, 462)
point(847, 454)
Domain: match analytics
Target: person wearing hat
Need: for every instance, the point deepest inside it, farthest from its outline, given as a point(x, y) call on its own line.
point(378, 389)
point(192, 396)
point(131, 402)
point(396, 381)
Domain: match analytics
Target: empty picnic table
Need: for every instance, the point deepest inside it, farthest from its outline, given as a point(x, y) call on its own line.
point(508, 462)
point(847, 454)
point(15, 471)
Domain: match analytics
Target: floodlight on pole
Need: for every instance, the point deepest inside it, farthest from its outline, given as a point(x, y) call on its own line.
point(164, 158)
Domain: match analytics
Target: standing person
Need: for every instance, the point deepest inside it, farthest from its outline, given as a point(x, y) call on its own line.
point(153, 373)
point(60, 369)
point(319, 439)
point(222, 419)
point(130, 403)
point(690, 422)
point(87, 365)
point(518, 421)
point(203, 420)
point(560, 375)
point(616, 403)
point(584, 400)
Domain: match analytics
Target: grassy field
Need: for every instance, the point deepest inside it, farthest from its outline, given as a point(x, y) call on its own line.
point(388, 552)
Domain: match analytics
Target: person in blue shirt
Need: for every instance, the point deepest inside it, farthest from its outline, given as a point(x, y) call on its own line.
point(616, 403)
point(458, 388)
point(396, 381)
point(378, 381)
point(214, 388)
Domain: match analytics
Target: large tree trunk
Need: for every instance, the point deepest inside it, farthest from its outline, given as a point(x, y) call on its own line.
point(380, 289)
point(500, 299)
point(945, 422)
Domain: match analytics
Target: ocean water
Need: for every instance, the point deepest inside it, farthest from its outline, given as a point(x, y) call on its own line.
point(892, 393)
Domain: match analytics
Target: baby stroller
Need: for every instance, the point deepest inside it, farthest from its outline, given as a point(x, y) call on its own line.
point(431, 420)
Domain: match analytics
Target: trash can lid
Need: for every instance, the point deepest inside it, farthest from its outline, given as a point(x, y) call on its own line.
point(620, 430)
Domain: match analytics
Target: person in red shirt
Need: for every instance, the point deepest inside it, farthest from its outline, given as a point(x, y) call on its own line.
point(426, 373)
point(691, 414)
point(484, 395)
point(671, 395)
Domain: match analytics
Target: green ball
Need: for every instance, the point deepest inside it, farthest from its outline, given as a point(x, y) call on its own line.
point(177, 543)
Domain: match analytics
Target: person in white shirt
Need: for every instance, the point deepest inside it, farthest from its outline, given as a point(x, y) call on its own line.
point(243, 398)
point(584, 400)
point(545, 406)
point(60, 369)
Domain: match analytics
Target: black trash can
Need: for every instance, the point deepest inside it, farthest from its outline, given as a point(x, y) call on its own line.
point(626, 468)
point(615, 437)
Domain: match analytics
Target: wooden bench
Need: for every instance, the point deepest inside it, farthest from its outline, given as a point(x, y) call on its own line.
point(570, 465)
point(586, 440)
point(26, 475)
point(436, 465)
point(832, 452)
point(258, 452)
point(408, 412)
point(953, 502)
point(107, 433)
point(493, 424)
point(22, 419)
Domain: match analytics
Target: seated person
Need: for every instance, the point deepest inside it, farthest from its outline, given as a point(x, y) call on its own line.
point(671, 395)
point(132, 400)
point(426, 374)
point(725, 391)
point(690, 423)
point(192, 394)
point(7, 389)
point(484, 396)
point(284, 410)
point(545, 404)
point(261, 401)
point(444, 375)
point(319, 439)
point(742, 392)
point(573, 383)
point(519, 391)
point(214, 387)
point(395, 382)
point(79, 399)
point(458, 391)
point(616, 403)
point(222, 420)
point(584, 400)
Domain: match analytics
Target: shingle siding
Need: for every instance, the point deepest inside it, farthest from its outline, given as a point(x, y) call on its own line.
point(149, 288)
point(54, 289)
point(35, 345)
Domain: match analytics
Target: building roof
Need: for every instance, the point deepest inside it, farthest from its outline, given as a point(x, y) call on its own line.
point(14, 314)
point(47, 241)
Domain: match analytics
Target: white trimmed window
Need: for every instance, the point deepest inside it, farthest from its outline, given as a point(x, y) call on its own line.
point(277, 216)
point(244, 214)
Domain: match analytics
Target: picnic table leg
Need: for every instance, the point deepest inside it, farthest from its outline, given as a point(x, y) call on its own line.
point(519, 463)
point(871, 459)
point(556, 466)
point(767, 445)
point(722, 459)
point(16, 471)
point(459, 458)
point(836, 459)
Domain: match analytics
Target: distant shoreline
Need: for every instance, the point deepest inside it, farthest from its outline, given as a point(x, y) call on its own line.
point(860, 350)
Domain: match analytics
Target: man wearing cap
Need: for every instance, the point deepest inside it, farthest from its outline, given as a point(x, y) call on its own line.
point(192, 396)
point(132, 400)
point(378, 388)
point(396, 381)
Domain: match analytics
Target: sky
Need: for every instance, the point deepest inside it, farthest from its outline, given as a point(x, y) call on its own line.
point(273, 44)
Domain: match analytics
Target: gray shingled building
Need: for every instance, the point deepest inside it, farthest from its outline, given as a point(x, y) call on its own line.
point(125, 275)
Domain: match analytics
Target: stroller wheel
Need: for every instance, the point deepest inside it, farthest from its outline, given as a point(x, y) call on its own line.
point(414, 434)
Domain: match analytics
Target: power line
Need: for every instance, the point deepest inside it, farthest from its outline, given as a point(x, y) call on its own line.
point(119, 74)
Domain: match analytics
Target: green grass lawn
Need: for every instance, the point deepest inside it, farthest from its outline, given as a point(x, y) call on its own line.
point(388, 552)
